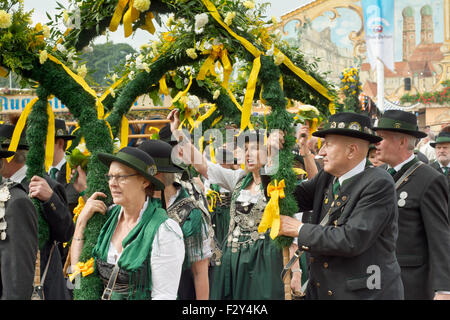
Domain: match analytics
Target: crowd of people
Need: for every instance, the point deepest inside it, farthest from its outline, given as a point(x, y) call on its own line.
point(372, 221)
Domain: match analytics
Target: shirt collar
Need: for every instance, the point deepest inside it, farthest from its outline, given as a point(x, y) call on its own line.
point(19, 175)
point(353, 172)
point(399, 166)
point(173, 198)
point(440, 165)
point(59, 165)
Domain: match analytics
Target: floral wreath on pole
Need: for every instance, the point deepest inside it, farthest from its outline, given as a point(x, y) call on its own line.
point(211, 52)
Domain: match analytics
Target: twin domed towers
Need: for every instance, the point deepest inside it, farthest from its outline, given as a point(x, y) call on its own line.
point(409, 29)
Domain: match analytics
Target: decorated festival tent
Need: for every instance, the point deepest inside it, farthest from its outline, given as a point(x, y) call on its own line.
point(215, 58)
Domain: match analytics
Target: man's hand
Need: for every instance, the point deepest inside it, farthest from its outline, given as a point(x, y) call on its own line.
point(289, 226)
point(174, 117)
point(40, 189)
point(302, 140)
point(80, 183)
point(441, 296)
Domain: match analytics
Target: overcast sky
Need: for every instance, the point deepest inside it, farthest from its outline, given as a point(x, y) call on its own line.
point(277, 8)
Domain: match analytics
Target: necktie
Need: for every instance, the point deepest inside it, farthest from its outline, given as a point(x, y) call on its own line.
point(445, 169)
point(336, 186)
point(53, 172)
point(392, 171)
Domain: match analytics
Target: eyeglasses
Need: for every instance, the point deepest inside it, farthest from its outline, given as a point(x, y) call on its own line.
point(119, 179)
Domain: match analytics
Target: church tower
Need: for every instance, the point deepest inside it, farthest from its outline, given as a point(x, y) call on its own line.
point(409, 32)
point(427, 30)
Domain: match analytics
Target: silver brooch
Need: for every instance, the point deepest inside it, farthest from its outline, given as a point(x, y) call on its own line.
point(151, 170)
point(355, 126)
point(402, 201)
point(4, 196)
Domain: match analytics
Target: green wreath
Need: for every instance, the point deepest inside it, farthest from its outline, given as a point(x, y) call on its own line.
point(197, 29)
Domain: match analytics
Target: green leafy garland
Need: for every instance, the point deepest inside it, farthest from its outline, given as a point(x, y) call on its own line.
point(82, 105)
point(36, 135)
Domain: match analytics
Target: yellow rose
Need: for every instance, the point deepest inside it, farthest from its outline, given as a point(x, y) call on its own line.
point(249, 4)
point(141, 5)
point(216, 94)
point(5, 19)
point(43, 56)
point(279, 58)
point(229, 18)
point(82, 71)
point(191, 53)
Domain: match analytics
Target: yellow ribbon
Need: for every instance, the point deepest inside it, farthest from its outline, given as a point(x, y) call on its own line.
point(271, 216)
point(68, 173)
point(117, 16)
point(149, 23)
point(304, 76)
point(77, 210)
point(212, 196)
point(99, 102)
point(298, 171)
point(85, 268)
point(163, 86)
point(211, 151)
point(213, 11)
point(124, 133)
point(313, 127)
point(182, 93)
point(216, 120)
point(50, 141)
point(130, 16)
point(255, 52)
point(249, 94)
point(75, 77)
point(208, 66)
point(19, 127)
point(206, 115)
point(332, 108)
point(3, 72)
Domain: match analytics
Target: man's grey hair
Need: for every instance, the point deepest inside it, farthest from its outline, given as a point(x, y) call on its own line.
point(20, 156)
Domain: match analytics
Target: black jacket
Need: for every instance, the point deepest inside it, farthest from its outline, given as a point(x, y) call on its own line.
point(56, 213)
point(18, 251)
point(423, 246)
point(71, 193)
point(359, 237)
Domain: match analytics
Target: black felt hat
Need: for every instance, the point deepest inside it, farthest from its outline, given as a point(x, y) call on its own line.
point(6, 154)
point(161, 153)
point(6, 133)
point(400, 121)
point(351, 125)
point(61, 130)
point(137, 160)
point(443, 137)
point(165, 134)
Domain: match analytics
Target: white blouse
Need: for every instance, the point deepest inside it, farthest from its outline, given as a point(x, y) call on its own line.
point(228, 179)
point(166, 260)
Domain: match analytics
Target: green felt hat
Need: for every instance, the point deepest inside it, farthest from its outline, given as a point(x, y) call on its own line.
point(443, 137)
point(349, 124)
point(137, 160)
point(400, 121)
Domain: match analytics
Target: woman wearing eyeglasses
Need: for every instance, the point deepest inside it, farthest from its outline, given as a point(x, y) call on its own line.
point(140, 251)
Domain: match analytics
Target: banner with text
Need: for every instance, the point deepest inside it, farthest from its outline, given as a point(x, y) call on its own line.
point(379, 29)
